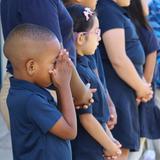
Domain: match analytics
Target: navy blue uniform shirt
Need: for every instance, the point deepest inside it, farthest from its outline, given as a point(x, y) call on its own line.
point(48, 13)
point(84, 147)
point(33, 112)
point(100, 106)
point(118, 18)
point(112, 16)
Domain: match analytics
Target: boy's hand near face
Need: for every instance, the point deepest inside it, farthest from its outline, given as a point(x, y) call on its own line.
point(61, 74)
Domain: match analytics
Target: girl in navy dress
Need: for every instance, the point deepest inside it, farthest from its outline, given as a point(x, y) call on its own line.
point(123, 58)
point(94, 138)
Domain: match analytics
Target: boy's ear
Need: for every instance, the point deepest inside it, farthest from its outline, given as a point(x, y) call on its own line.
point(31, 66)
point(80, 38)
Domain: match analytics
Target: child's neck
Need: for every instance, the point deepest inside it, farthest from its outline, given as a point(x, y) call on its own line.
point(80, 52)
point(22, 76)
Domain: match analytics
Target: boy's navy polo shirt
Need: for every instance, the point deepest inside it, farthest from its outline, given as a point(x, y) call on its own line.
point(120, 19)
point(149, 112)
point(48, 13)
point(33, 112)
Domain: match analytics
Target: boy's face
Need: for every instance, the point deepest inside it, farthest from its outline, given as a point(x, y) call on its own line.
point(45, 62)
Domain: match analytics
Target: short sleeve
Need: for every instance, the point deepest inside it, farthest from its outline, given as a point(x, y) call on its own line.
point(109, 19)
point(84, 111)
point(41, 12)
point(148, 40)
point(42, 113)
point(152, 44)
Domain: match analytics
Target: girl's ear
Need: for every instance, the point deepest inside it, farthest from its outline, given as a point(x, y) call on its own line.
point(80, 39)
point(31, 67)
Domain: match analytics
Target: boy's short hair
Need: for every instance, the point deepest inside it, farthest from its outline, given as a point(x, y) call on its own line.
point(23, 33)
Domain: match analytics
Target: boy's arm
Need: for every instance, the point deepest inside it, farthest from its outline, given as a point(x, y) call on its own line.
point(66, 126)
point(93, 127)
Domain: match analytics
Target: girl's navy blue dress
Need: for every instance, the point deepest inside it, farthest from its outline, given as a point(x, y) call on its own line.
point(127, 130)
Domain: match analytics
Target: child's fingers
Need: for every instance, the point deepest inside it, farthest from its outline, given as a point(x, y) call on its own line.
point(88, 85)
point(85, 106)
point(93, 90)
point(119, 152)
point(91, 101)
point(78, 107)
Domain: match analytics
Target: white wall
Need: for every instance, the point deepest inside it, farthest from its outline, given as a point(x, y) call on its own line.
point(3, 59)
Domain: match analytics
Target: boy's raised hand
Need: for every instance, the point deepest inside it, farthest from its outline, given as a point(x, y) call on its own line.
point(62, 71)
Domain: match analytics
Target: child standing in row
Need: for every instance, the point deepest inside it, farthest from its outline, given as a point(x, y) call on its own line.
point(96, 63)
point(149, 114)
point(94, 138)
point(138, 11)
point(40, 128)
point(123, 59)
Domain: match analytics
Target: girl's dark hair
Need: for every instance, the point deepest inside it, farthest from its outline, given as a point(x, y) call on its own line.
point(137, 15)
point(79, 19)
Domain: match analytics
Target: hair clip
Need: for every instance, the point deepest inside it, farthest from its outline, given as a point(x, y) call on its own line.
point(87, 12)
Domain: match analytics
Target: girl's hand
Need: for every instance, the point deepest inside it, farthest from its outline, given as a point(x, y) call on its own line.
point(145, 93)
point(62, 71)
point(113, 152)
point(113, 117)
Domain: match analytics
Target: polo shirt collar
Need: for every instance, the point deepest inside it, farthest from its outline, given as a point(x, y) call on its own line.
point(22, 84)
point(83, 60)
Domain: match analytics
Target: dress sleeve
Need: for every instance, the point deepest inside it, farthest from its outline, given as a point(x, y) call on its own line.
point(109, 19)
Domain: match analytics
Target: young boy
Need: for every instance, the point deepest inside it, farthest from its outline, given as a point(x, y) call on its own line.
point(39, 128)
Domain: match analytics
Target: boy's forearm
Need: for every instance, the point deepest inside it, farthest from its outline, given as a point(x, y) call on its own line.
point(66, 105)
point(80, 92)
point(94, 128)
